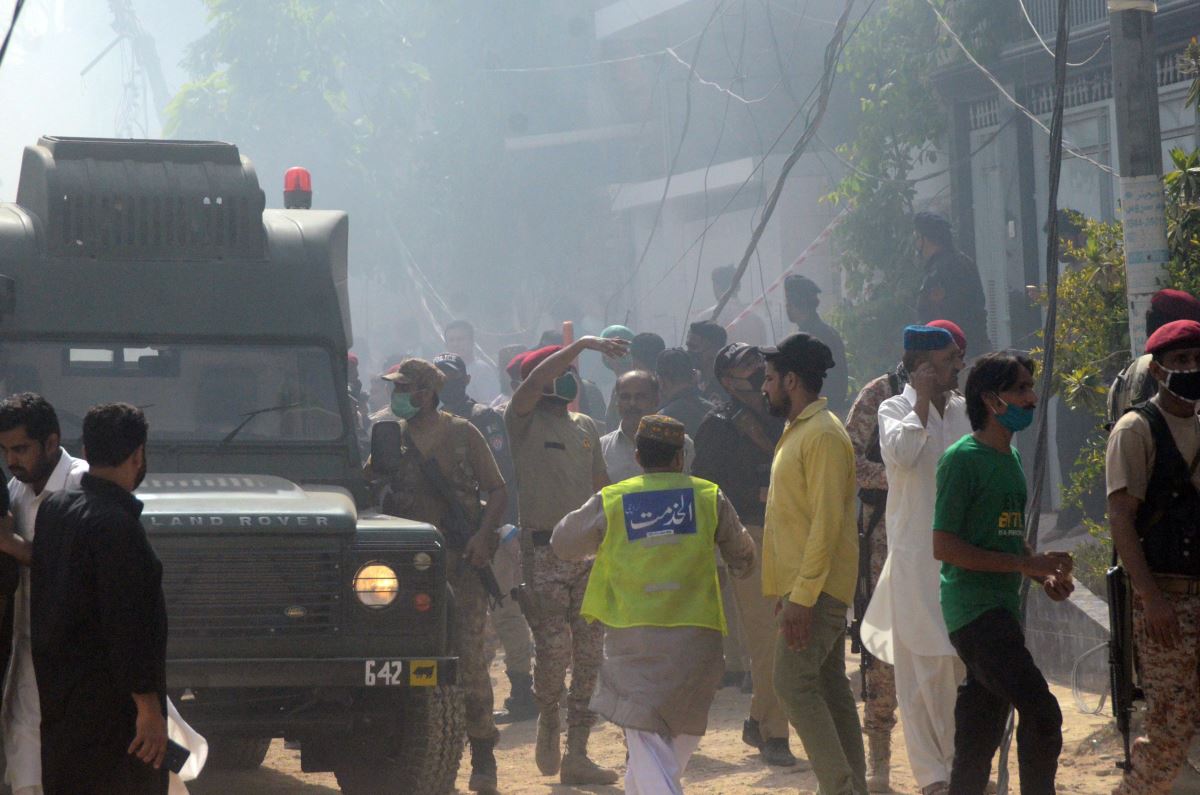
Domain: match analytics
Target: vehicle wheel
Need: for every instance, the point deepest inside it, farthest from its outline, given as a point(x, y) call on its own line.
point(420, 754)
point(237, 753)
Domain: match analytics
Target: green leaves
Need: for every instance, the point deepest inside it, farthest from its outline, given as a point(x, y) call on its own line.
point(1189, 64)
point(891, 62)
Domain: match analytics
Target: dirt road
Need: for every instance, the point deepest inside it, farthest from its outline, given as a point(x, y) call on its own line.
point(722, 765)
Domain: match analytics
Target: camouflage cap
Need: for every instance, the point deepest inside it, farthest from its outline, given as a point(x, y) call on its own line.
point(661, 428)
point(418, 372)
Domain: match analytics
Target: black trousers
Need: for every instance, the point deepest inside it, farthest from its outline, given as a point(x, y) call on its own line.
point(74, 767)
point(1001, 673)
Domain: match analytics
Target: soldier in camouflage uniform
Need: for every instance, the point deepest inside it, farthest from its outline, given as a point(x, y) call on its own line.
point(448, 476)
point(1153, 499)
point(507, 619)
point(559, 465)
point(879, 714)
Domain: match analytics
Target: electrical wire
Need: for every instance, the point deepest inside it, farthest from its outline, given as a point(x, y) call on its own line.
point(783, 72)
point(645, 121)
point(1049, 330)
point(713, 159)
point(671, 53)
point(11, 27)
point(1011, 99)
point(687, 120)
point(588, 64)
point(718, 86)
point(1077, 691)
point(924, 177)
point(832, 55)
point(758, 167)
point(1037, 34)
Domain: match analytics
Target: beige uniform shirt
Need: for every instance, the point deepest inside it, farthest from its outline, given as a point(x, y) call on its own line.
point(1130, 457)
point(556, 458)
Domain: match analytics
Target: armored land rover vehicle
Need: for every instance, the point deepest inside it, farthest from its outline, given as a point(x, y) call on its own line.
point(149, 272)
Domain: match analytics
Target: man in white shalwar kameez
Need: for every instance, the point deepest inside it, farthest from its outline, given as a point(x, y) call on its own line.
point(29, 436)
point(903, 624)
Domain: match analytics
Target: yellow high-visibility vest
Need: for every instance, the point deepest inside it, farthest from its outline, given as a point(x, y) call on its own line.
point(656, 567)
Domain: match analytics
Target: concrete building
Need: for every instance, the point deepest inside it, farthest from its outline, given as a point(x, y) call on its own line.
point(999, 193)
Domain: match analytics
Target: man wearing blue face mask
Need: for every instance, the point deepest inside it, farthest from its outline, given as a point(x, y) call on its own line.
point(979, 536)
point(559, 465)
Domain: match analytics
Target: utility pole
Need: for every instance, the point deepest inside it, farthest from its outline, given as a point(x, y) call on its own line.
point(1139, 156)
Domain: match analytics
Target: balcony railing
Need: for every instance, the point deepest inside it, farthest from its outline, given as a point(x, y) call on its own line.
point(1082, 13)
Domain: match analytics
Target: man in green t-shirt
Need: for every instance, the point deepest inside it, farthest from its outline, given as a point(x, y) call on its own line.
point(979, 535)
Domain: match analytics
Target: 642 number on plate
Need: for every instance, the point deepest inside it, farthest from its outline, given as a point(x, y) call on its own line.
point(383, 672)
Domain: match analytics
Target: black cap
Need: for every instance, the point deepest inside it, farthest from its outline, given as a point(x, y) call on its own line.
point(801, 352)
point(736, 354)
point(451, 364)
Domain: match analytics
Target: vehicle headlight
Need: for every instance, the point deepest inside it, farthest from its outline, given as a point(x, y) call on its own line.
point(375, 585)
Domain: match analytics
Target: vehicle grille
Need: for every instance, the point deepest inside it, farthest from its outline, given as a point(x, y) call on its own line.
point(225, 589)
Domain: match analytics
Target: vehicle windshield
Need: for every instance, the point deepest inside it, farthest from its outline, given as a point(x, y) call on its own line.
point(188, 392)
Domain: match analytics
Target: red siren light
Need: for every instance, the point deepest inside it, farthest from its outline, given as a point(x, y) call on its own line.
point(297, 189)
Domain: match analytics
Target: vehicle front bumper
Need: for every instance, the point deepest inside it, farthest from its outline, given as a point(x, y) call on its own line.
point(373, 673)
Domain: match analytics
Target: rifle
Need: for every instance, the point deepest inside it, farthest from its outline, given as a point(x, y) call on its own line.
point(389, 444)
point(877, 499)
point(1120, 650)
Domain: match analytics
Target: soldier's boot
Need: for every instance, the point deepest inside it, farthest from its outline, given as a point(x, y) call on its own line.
point(483, 767)
point(520, 705)
point(879, 778)
point(548, 753)
point(576, 767)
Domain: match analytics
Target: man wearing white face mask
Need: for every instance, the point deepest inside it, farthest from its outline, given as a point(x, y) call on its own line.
point(559, 465)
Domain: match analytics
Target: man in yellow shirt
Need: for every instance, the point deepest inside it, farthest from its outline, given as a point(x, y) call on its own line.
point(810, 563)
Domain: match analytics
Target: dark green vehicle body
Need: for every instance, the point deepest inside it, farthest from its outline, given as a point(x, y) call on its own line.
point(149, 272)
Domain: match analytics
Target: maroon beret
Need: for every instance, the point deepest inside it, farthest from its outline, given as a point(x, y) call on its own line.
point(1176, 304)
point(534, 358)
point(513, 368)
point(1174, 336)
point(960, 339)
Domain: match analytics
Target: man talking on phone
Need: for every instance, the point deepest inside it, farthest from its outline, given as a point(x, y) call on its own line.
point(98, 623)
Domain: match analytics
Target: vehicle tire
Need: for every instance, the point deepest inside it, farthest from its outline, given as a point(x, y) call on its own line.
point(420, 754)
point(237, 753)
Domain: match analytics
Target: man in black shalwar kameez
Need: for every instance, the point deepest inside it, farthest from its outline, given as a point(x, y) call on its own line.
point(99, 623)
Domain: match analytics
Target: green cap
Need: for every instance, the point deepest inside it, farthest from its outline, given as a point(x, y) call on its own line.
point(617, 332)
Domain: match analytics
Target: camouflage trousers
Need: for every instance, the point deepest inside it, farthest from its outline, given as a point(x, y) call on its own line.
point(879, 711)
point(561, 637)
point(470, 618)
point(1171, 680)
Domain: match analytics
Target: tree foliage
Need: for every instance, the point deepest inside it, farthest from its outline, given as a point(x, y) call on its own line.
point(891, 64)
point(376, 99)
point(1092, 340)
point(297, 76)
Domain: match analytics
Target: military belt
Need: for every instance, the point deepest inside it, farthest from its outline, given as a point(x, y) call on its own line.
point(1178, 584)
